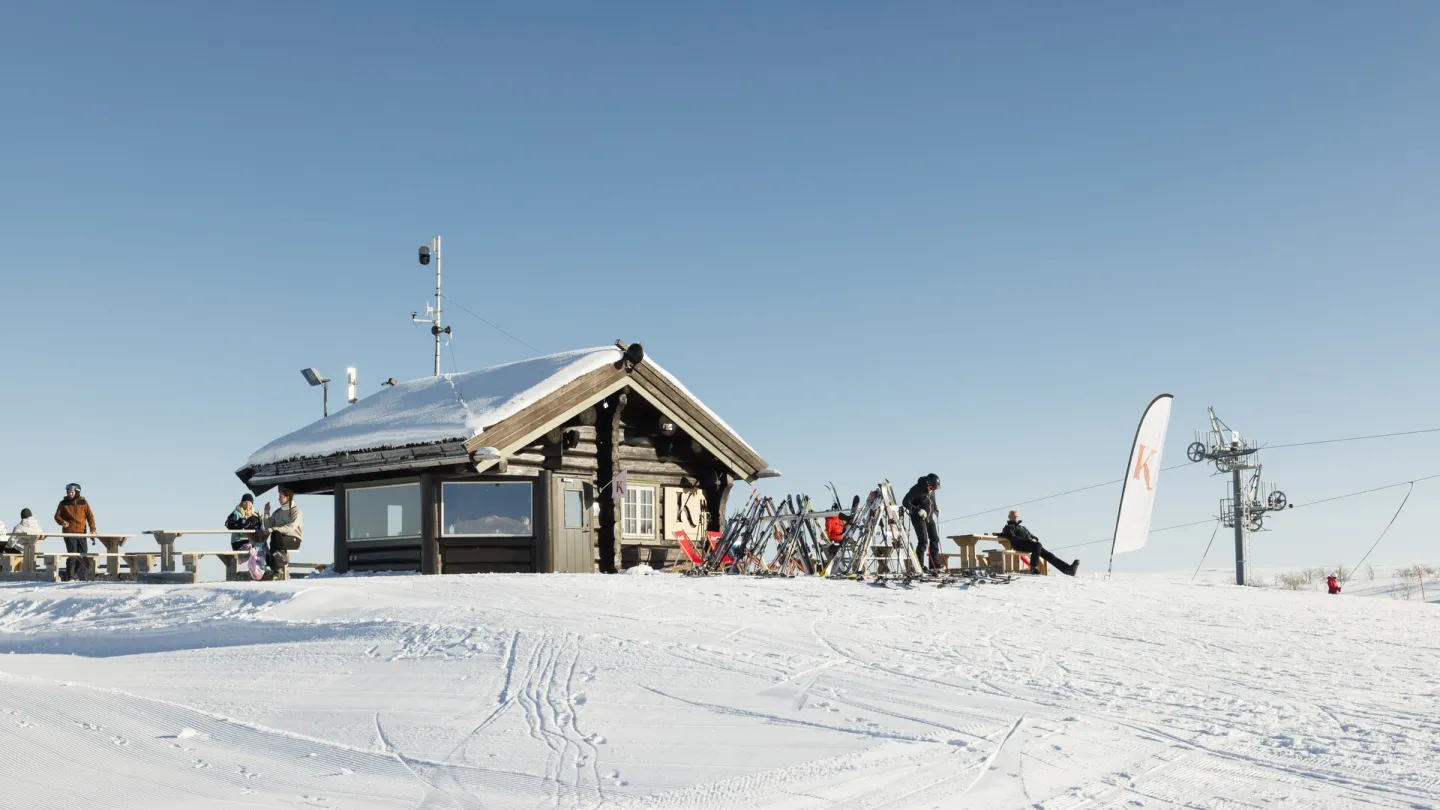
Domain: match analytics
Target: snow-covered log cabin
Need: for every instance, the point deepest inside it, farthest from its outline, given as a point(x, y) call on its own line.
point(509, 468)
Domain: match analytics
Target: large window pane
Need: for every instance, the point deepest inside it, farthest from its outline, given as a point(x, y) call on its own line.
point(486, 508)
point(380, 512)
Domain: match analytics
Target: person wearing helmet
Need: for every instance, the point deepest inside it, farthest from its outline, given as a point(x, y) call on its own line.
point(73, 515)
point(1023, 541)
point(924, 512)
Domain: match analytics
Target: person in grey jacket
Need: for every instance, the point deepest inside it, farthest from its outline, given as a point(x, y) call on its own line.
point(286, 528)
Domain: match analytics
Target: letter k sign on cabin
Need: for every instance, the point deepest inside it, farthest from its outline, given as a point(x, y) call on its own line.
point(1137, 500)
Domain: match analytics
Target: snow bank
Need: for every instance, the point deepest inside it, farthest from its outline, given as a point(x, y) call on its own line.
point(668, 692)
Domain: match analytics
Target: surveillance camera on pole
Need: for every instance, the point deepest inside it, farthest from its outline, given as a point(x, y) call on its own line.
point(433, 312)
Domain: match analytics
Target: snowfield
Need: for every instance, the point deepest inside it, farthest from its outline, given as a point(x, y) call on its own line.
point(669, 692)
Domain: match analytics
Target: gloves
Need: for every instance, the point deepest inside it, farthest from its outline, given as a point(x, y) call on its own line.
point(922, 514)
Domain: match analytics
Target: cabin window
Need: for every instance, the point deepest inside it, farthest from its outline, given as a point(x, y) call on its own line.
point(382, 512)
point(639, 512)
point(486, 508)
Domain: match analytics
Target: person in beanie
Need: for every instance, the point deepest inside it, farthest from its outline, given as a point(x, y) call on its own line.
point(73, 515)
point(245, 519)
point(1023, 541)
point(27, 525)
point(920, 502)
point(285, 530)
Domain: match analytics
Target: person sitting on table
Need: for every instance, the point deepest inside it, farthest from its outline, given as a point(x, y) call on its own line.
point(1023, 541)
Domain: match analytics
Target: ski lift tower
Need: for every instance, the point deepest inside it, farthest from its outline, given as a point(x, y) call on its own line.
point(1244, 511)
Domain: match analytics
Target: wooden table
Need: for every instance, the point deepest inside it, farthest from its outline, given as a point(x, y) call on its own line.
point(1001, 560)
point(29, 542)
point(967, 543)
point(165, 538)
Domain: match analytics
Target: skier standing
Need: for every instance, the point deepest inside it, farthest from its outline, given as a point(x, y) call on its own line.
point(1023, 541)
point(920, 502)
point(73, 515)
point(1332, 584)
point(286, 530)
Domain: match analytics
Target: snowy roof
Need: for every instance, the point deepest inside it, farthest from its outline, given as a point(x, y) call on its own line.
point(451, 407)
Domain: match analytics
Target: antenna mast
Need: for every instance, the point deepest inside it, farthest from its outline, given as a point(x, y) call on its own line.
point(433, 313)
point(1245, 509)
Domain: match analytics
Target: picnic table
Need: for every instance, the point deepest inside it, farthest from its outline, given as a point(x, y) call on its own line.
point(166, 538)
point(50, 572)
point(1004, 560)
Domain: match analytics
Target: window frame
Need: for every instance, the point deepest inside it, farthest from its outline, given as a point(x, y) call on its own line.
point(442, 534)
point(639, 518)
point(351, 489)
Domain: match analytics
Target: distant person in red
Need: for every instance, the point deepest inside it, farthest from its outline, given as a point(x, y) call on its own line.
point(1332, 583)
point(835, 526)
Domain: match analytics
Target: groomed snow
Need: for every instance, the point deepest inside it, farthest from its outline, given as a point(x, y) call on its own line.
point(669, 692)
point(436, 409)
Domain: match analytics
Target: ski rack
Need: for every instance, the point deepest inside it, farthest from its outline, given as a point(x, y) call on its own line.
point(877, 542)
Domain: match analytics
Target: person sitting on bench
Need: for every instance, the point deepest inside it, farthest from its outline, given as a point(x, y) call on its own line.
point(1023, 541)
point(286, 530)
point(245, 520)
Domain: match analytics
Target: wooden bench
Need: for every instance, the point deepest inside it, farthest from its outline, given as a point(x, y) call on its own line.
point(310, 569)
point(232, 560)
point(29, 543)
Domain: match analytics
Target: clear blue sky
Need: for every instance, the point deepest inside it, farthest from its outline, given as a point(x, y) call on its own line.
point(880, 241)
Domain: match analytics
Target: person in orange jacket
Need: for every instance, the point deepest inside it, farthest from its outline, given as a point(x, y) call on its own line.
point(73, 515)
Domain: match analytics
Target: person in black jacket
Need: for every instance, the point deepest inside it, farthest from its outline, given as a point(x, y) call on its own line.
point(920, 503)
point(1023, 541)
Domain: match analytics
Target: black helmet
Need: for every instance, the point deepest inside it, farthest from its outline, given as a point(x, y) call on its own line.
point(71, 486)
point(26, 513)
point(933, 480)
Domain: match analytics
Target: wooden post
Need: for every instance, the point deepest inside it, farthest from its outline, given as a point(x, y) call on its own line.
point(430, 495)
point(342, 530)
point(542, 502)
point(617, 437)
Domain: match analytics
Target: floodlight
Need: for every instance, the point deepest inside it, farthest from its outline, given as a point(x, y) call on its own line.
point(313, 377)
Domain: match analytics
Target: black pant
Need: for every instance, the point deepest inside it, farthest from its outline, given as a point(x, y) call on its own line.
point(1036, 551)
point(927, 535)
point(278, 558)
point(77, 568)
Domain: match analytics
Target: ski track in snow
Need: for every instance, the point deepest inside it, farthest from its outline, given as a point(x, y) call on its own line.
point(672, 693)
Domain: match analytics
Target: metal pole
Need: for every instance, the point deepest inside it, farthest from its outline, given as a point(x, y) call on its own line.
point(436, 327)
point(1239, 528)
point(325, 387)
